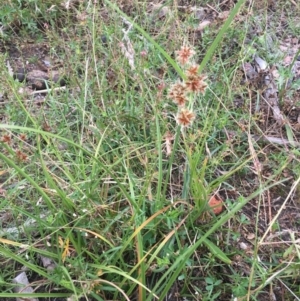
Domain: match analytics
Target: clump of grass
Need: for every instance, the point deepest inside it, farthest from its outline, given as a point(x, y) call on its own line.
point(111, 182)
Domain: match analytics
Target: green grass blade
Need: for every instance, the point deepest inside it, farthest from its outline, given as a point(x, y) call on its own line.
point(220, 35)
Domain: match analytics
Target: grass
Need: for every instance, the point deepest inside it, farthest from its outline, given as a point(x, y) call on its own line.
point(100, 180)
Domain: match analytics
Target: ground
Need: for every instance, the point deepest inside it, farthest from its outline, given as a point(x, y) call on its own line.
point(105, 196)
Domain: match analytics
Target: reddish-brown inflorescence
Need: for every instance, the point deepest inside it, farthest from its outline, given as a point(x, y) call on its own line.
point(184, 55)
point(185, 117)
point(193, 83)
point(21, 156)
point(6, 139)
point(192, 70)
point(23, 137)
point(178, 94)
point(196, 84)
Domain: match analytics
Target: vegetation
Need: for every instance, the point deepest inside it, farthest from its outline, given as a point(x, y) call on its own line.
point(158, 168)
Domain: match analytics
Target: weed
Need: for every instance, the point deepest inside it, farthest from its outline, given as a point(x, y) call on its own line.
point(139, 179)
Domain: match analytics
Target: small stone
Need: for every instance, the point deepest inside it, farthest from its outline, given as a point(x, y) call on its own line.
point(22, 286)
point(243, 246)
point(38, 85)
point(38, 79)
point(37, 75)
point(199, 12)
point(58, 78)
point(251, 236)
point(216, 204)
point(104, 40)
point(20, 75)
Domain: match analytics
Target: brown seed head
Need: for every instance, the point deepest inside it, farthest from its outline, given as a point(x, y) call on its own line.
point(192, 70)
point(178, 94)
point(184, 55)
point(196, 83)
point(6, 139)
point(185, 117)
point(21, 156)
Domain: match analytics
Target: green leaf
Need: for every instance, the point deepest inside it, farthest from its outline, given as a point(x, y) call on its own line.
point(215, 250)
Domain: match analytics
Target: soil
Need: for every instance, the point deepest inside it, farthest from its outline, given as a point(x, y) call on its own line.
point(31, 62)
